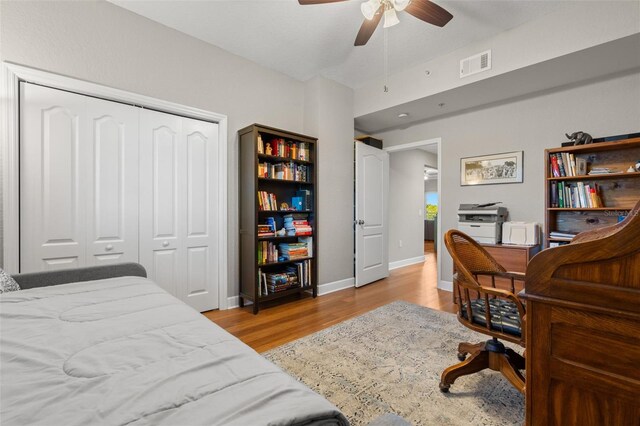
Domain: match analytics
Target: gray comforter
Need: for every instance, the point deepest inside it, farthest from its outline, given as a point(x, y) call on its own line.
point(123, 351)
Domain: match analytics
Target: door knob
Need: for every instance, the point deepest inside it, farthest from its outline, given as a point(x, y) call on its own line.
point(165, 243)
point(108, 247)
point(361, 222)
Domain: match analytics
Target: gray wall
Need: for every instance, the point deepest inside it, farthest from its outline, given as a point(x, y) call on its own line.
point(328, 114)
point(406, 202)
point(530, 124)
point(431, 185)
point(102, 43)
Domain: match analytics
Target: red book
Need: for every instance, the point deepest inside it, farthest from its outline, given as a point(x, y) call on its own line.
point(554, 166)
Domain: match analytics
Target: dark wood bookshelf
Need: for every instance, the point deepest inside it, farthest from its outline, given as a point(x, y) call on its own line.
point(251, 215)
point(619, 191)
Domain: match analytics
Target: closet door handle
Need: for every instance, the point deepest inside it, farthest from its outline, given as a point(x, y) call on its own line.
point(165, 243)
point(108, 247)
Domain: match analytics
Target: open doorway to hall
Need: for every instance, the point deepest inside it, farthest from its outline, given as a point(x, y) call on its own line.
point(413, 206)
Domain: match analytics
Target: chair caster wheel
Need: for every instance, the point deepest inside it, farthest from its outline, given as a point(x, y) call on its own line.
point(462, 357)
point(444, 388)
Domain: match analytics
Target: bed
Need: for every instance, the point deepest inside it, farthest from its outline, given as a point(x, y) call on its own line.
point(119, 350)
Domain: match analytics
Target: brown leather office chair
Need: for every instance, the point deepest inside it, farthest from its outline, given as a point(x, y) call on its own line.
point(485, 309)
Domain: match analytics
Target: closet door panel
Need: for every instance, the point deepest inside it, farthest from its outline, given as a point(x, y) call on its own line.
point(52, 188)
point(162, 176)
point(112, 211)
point(200, 238)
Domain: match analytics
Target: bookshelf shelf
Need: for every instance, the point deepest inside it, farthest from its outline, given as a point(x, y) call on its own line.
point(261, 179)
point(617, 193)
point(260, 196)
point(277, 159)
point(285, 262)
point(597, 177)
point(586, 209)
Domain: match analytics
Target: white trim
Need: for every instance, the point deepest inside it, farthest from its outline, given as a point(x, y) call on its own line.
point(233, 302)
point(445, 285)
point(406, 262)
point(336, 286)
point(413, 145)
point(12, 74)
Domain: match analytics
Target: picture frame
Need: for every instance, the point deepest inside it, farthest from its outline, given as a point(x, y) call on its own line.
point(506, 167)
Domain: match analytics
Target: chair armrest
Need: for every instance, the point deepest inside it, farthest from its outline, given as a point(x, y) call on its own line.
point(515, 275)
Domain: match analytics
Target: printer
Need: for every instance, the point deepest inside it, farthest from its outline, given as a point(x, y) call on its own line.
point(482, 222)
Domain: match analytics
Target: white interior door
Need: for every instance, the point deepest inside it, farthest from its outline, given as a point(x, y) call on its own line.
point(178, 240)
point(53, 125)
point(112, 182)
point(371, 214)
point(78, 180)
point(160, 197)
point(200, 237)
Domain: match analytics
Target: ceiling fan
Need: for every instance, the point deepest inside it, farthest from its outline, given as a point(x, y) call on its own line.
point(373, 10)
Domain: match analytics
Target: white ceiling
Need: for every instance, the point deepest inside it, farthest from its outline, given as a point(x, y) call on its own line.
point(304, 41)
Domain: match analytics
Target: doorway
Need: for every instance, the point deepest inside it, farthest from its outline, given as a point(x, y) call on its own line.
point(426, 155)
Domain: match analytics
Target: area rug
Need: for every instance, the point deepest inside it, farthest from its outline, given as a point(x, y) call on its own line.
point(389, 360)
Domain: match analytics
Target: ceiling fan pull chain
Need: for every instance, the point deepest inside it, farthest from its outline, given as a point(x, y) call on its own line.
point(386, 60)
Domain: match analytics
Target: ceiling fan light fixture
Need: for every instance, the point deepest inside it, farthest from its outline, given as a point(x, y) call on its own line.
point(390, 18)
point(369, 8)
point(401, 5)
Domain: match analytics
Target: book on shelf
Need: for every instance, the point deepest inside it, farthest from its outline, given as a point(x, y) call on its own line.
point(297, 225)
point(562, 234)
point(307, 199)
point(565, 164)
point(260, 145)
point(577, 195)
point(280, 147)
point(595, 171)
point(265, 230)
point(296, 275)
point(267, 201)
point(267, 252)
point(293, 251)
point(284, 171)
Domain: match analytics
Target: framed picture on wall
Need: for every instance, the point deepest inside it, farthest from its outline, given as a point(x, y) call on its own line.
point(491, 169)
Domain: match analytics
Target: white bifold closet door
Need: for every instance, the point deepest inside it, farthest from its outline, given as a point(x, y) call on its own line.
point(78, 180)
point(178, 238)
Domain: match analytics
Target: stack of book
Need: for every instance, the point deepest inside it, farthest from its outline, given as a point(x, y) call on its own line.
point(281, 281)
point(564, 235)
point(267, 201)
point(578, 195)
point(267, 252)
point(265, 231)
point(565, 164)
point(297, 225)
point(291, 251)
point(602, 171)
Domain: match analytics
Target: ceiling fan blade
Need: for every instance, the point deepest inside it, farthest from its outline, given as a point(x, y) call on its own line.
point(305, 2)
point(429, 12)
point(367, 28)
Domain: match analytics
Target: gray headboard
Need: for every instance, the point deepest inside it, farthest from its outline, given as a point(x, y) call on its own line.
point(44, 279)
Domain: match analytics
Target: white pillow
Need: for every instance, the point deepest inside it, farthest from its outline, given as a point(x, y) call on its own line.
point(7, 283)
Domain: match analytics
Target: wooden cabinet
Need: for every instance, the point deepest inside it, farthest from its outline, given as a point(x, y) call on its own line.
point(277, 168)
point(618, 191)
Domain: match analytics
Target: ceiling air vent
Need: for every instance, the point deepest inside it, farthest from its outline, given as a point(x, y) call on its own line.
point(475, 64)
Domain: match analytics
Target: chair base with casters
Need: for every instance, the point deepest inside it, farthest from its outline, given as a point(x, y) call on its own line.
point(490, 354)
point(486, 309)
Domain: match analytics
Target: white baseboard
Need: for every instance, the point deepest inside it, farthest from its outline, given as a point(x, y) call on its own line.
point(234, 301)
point(335, 286)
point(445, 285)
point(405, 262)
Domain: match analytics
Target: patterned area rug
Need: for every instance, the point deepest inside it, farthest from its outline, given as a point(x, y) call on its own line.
point(389, 361)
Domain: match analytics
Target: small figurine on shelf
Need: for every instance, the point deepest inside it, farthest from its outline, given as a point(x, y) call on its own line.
point(267, 149)
point(284, 206)
point(631, 169)
point(579, 138)
point(281, 233)
point(638, 166)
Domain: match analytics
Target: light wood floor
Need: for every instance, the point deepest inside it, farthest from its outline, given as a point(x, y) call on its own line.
point(283, 322)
